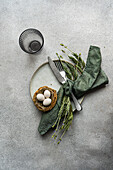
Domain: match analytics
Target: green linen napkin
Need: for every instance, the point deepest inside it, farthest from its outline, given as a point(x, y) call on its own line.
point(92, 77)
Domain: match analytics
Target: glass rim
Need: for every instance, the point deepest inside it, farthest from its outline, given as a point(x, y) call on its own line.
point(21, 44)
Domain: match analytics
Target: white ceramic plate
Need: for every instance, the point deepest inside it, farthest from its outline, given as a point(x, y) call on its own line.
point(44, 76)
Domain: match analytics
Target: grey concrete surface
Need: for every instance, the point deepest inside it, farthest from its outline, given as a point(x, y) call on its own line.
point(88, 145)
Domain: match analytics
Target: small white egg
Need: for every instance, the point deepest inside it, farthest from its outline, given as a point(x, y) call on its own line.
point(40, 97)
point(47, 102)
point(47, 94)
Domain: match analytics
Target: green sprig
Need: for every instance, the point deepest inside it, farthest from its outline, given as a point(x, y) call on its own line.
point(67, 114)
point(76, 57)
point(73, 70)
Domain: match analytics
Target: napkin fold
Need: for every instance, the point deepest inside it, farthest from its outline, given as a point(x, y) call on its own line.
point(91, 78)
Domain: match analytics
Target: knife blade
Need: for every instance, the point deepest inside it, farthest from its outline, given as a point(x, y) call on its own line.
point(56, 71)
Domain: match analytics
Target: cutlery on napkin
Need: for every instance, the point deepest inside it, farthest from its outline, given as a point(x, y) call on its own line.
point(91, 78)
point(62, 79)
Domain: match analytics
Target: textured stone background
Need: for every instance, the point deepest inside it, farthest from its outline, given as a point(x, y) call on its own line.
point(88, 145)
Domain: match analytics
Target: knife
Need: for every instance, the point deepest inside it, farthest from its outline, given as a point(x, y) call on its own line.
point(61, 79)
point(56, 71)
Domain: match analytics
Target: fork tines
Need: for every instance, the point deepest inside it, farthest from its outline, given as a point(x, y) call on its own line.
point(58, 65)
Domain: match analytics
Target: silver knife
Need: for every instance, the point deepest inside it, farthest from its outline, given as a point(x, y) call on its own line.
point(56, 71)
point(61, 79)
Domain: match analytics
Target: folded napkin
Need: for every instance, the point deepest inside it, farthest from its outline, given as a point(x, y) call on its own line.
point(91, 78)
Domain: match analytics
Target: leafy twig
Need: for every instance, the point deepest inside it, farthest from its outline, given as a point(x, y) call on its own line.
point(76, 57)
point(65, 111)
point(68, 117)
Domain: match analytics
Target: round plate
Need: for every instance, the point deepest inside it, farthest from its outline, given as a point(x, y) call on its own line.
point(44, 76)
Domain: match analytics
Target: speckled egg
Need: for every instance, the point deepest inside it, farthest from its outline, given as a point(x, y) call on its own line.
point(40, 97)
point(47, 102)
point(47, 93)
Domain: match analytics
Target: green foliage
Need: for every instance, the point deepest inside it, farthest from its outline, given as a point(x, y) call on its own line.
point(66, 113)
point(73, 71)
point(62, 44)
point(63, 51)
point(75, 55)
point(67, 71)
point(75, 58)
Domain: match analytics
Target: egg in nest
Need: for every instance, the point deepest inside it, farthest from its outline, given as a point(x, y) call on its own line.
point(49, 95)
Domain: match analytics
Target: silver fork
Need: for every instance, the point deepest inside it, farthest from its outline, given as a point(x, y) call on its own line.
point(63, 74)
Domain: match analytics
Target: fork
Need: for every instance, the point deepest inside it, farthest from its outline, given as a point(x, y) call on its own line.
point(63, 74)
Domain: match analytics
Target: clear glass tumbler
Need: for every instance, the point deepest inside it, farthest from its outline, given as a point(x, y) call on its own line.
point(31, 41)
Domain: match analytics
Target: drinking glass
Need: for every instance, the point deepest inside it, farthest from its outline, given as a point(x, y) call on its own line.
point(31, 41)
